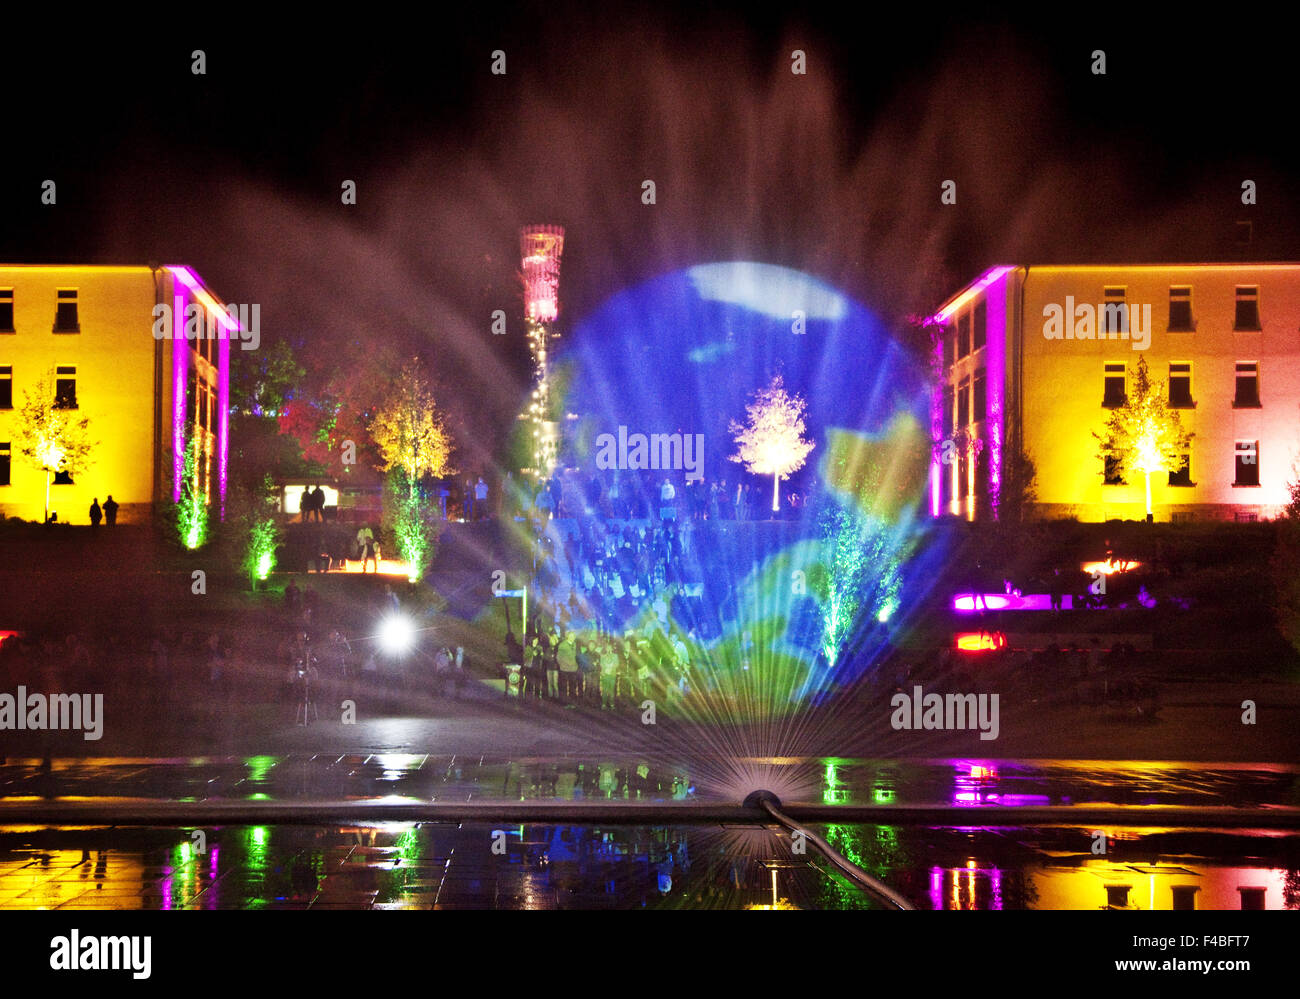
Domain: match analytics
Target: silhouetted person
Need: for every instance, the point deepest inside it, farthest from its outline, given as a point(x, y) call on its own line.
point(480, 499)
point(318, 504)
point(110, 510)
point(96, 515)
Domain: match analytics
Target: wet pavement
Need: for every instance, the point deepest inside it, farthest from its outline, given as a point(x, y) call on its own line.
point(964, 861)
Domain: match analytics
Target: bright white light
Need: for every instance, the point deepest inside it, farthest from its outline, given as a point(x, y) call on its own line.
point(396, 635)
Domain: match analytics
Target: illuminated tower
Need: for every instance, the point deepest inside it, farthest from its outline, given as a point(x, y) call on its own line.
point(541, 246)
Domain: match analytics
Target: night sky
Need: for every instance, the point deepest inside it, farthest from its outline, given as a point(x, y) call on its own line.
point(837, 172)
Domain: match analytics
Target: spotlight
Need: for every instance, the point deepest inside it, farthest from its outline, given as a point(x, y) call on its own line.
point(396, 635)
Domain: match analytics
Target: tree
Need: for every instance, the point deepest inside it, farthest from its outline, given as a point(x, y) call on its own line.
point(191, 510)
point(1144, 435)
point(1018, 490)
point(408, 430)
point(251, 535)
point(771, 442)
point(51, 436)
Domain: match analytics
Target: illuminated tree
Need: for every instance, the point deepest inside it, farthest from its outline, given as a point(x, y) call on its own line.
point(251, 535)
point(191, 511)
point(1145, 435)
point(772, 442)
point(51, 435)
point(860, 574)
point(409, 432)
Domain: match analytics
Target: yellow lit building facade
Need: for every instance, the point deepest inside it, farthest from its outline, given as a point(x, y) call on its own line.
point(1037, 357)
point(144, 353)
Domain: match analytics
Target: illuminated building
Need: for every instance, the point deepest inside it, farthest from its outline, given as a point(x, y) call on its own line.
point(540, 247)
point(144, 353)
point(1038, 357)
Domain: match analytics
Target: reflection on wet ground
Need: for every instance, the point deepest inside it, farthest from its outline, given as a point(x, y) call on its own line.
point(956, 863)
point(448, 778)
point(475, 866)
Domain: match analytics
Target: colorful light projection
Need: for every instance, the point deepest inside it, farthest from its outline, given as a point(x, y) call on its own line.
point(992, 286)
point(972, 603)
point(749, 600)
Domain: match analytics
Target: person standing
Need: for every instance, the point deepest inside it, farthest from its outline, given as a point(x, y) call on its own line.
point(95, 514)
point(110, 510)
point(568, 657)
point(480, 499)
point(667, 496)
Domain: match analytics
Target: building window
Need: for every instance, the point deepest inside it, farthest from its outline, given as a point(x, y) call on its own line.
point(1182, 475)
point(963, 404)
point(7, 387)
point(1247, 463)
point(1252, 898)
point(65, 316)
point(62, 479)
point(980, 323)
point(1180, 309)
point(963, 334)
point(65, 388)
point(1117, 896)
point(1247, 396)
point(948, 403)
point(1180, 386)
point(1113, 471)
point(963, 475)
point(979, 406)
point(950, 334)
point(1185, 897)
point(1247, 309)
point(4, 463)
point(1115, 312)
point(1114, 388)
point(6, 310)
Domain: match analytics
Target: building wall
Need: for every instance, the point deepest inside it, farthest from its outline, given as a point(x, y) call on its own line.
point(114, 359)
point(1054, 387)
point(131, 385)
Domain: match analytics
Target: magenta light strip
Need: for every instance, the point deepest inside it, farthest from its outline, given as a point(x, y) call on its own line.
point(180, 360)
point(966, 603)
point(223, 418)
point(995, 341)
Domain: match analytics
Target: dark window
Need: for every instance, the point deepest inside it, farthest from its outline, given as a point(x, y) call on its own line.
point(6, 310)
point(1117, 896)
point(62, 479)
point(948, 403)
point(7, 387)
point(1180, 310)
point(4, 463)
point(1114, 317)
point(65, 317)
point(950, 334)
point(979, 408)
point(65, 388)
point(963, 404)
point(963, 334)
point(1180, 386)
point(1252, 898)
point(1247, 396)
point(1247, 308)
point(1113, 471)
point(1184, 897)
point(980, 324)
point(191, 396)
point(1247, 463)
point(1114, 387)
point(963, 475)
point(1182, 475)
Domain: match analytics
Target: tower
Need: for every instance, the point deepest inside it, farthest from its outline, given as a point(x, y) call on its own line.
point(541, 246)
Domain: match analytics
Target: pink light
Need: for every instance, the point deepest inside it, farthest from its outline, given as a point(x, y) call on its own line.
point(188, 278)
point(980, 283)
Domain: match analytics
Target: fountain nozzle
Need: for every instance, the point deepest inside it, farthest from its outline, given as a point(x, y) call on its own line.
point(757, 799)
